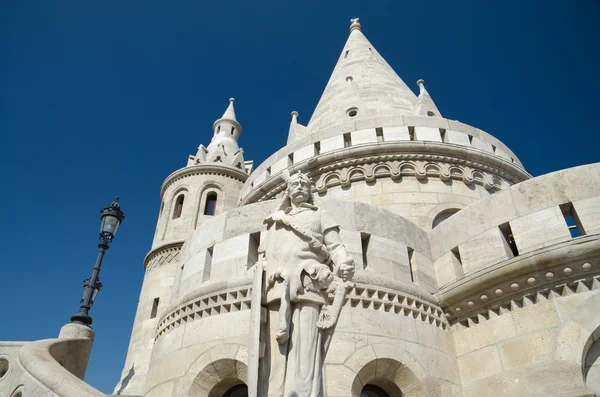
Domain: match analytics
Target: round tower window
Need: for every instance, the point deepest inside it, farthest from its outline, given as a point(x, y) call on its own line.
point(352, 112)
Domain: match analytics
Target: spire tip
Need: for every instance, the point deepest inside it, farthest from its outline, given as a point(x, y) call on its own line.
point(355, 25)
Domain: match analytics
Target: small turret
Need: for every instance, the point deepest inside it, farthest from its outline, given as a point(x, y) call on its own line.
point(224, 146)
point(297, 131)
point(425, 105)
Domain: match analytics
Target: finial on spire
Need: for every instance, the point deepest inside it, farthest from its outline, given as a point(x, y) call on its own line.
point(294, 117)
point(355, 25)
point(232, 100)
point(421, 84)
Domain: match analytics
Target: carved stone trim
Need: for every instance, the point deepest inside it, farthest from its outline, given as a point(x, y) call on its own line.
point(453, 163)
point(567, 268)
point(203, 169)
point(225, 301)
point(361, 295)
point(387, 300)
point(161, 255)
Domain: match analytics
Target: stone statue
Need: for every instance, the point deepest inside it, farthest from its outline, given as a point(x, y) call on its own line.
point(305, 261)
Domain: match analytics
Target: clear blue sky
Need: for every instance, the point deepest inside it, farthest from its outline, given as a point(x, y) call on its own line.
point(99, 99)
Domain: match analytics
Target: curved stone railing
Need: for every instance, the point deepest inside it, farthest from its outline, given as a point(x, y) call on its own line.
point(540, 236)
point(52, 366)
point(459, 138)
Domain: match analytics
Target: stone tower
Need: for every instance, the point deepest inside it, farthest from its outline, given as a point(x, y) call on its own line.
point(208, 186)
point(384, 251)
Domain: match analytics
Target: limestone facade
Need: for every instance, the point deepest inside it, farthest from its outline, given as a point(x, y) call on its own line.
point(472, 278)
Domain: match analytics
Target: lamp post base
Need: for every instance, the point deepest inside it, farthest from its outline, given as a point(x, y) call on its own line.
point(81, 318)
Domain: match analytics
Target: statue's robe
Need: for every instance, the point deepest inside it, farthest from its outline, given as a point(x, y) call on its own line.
point(299, 242)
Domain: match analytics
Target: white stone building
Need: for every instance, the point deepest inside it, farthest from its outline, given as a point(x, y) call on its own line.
point(471, 277)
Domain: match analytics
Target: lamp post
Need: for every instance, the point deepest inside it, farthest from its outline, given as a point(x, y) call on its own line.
point(111, 217)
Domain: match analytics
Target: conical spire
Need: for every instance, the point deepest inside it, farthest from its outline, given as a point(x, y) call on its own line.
point(230, 112)
point(362, 86)
point(425, 105)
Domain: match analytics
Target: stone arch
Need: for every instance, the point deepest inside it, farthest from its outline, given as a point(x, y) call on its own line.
point(203, 192)
point(215, 371)
point(389, 367)
point(443, 211)
point(578, 343)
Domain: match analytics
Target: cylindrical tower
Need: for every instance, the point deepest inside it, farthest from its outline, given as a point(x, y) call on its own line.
point(208, 186)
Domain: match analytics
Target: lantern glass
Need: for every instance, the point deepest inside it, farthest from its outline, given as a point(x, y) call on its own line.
point(109, 226)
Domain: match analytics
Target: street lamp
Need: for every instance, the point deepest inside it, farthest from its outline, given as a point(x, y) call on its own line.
point(111, 217)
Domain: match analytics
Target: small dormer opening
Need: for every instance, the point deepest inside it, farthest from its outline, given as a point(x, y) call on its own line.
point(470, 139)
point(379, 133)
point(232, 130)
point(347, 140)
point(346, 54)
point(268, 172)
point(430, 113)
point(494, 148)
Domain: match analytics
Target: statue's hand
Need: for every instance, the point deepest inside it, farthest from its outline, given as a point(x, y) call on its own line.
point(347, 270)
point(325, 321)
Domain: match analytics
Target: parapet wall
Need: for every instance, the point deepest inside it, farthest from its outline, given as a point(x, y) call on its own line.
point(467, 142)
point(523, 228)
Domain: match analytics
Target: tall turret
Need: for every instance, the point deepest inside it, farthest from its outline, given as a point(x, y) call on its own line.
point(209, 185)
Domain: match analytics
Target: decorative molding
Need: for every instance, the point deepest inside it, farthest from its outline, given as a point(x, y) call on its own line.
point(526, 289)
point(424, 151)
point(203, 169)
point(225, 301)
point(161, 255)
point(360, 296)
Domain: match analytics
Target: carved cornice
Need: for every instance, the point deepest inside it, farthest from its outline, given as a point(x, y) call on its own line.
point(362, 296)
point(204, 169)
point(163, 254)
point(397, 159)
point(225, 301)
point(560, 270)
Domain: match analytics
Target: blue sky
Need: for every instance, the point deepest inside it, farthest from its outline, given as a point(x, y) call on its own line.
point(99, 99)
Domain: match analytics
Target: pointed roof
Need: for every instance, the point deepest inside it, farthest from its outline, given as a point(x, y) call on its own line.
point(230, 112)
point(363, 80)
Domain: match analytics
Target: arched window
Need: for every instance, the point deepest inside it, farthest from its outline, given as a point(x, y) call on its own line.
point(373, 391)
point(211, 204)
point(178, 206)
point(237, 391)
point(442, 216)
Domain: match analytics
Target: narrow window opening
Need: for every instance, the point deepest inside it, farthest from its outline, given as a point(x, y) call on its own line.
point(456, 253)
point(364, 245)
point(470, 138)
point(410, 264)
point(317, 148)
point(509, 238)
point(494, 148)
point(347, 140)
point(211, 204)
point(411, 133)
point(370, 49)
point(379, 133)
point(268, 172)
point(430, 113)
point(572, 220)
point(154, 307)
point(346, 54)
point(253, 246)
point(178, 206)
point(207, 264)
point(443, 134)
point(218, 129)
point(513, 160)
point(232, 130)
point(291, 158)
point(162, 207)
